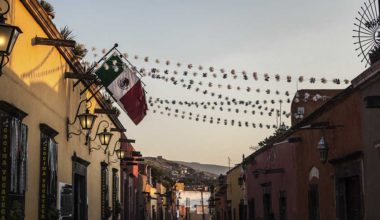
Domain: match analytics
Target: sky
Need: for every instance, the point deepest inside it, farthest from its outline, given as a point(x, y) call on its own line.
point(292, 37)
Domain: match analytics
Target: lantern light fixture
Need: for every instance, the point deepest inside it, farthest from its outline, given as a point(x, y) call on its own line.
point(8, 35)
point(104, 137)
point(86, 120)
point(120, 153)
point(323, 150)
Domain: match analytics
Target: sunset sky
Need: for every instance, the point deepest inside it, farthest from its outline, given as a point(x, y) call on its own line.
point(292, 37)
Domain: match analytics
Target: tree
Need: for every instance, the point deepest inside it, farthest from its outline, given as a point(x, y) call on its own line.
point(278, 132)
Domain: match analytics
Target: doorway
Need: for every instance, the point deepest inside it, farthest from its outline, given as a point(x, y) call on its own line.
point(267, 202)
point(349, 198)
point(313, 202)
point(349, 189)
point(80, 188)
point(80, 197)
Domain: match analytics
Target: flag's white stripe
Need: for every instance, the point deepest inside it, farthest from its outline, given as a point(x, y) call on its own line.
point(114, 87)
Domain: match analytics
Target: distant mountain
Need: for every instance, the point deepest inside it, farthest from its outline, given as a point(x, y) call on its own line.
point(210, 168)
point(171, 171)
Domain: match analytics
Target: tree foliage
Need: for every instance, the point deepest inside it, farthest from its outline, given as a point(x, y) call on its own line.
point(49, 9)
point(279, 131)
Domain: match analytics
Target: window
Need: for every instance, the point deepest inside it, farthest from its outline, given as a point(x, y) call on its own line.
point(13, 154)
point(105, 209)
point(48, 172)
point(348, 188)
point(267, 201)
point(301, 110)
point(282, 205)
point(115, 194)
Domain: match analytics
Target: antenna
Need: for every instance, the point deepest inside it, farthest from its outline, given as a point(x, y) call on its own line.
point(229, 163)
point(280, 113)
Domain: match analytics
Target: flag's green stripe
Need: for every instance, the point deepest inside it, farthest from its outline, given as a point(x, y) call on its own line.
point(107, 75)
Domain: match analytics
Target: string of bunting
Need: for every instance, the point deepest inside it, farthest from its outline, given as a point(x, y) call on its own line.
point(213, 105)
point(190, 86)
point(154, 74)
point(205, 118)
point(306, 97)
point(225, 74)
point(257, 77)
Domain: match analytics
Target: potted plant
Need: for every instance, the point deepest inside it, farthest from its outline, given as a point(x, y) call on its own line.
point(49, 9)
point(80, 51)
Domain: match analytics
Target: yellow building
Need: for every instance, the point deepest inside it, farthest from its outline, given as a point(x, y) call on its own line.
point(43, 169)
point(235, 194)
point(179, 186)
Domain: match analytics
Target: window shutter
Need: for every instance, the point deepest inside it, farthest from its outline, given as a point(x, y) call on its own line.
point(15, 149)
point(24, 159)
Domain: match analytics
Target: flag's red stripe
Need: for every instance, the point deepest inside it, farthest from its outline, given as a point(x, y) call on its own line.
point(134, 103)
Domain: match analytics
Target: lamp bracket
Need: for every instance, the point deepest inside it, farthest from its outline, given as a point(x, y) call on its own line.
point(53, 42)
point(106, 112)
point(76, 114)
point(93, 95)
point(131, 141)
point(71, 75)
point(119, 129)
point(90, 82)
point(97, 130)
point(68, 133)
point(4, 60)
point(123, 140)
point(90, 149)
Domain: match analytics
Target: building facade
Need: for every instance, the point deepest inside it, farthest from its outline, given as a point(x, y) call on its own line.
point(235, 193)
point(322, 167)
point(50, 171)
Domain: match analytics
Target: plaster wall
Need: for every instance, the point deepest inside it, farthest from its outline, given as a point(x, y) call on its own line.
point(234, 191)
point(281, 156)
point(33, 82)
point(371, 139)
point(342, 142)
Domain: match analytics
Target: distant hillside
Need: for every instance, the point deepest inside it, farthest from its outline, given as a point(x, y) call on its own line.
point(172, 171)
point(210, 168)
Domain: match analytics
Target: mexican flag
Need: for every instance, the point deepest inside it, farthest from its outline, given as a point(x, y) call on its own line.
point(124, 86)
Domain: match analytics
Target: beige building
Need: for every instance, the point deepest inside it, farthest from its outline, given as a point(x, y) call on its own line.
point(45, 170)
point(235, 193)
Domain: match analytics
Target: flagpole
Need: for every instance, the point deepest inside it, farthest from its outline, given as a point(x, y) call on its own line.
point(94, 66)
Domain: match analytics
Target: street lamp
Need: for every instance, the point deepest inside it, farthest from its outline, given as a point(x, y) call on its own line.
point(86, 120)
point(8, 35)
point(323, 150)
point(105, 137)
point(120, 153)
